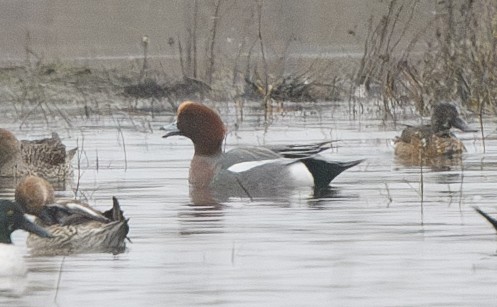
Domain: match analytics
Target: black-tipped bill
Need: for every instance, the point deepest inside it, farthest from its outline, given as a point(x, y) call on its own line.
point(460, 124)
point(172, 129)
point(27, 225)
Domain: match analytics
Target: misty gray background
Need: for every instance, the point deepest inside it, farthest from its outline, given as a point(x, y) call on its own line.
point(94, 29)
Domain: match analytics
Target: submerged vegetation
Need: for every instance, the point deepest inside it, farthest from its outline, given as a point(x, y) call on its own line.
point(451, 59)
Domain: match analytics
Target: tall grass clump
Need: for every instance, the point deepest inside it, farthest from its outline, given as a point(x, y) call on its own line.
point(452, 58)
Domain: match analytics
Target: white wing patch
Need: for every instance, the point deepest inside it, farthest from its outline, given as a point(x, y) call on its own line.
point(245, 166)
point(298, 171)
point(79, 207)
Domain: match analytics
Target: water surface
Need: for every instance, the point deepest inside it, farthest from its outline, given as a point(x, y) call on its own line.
point(375, 242)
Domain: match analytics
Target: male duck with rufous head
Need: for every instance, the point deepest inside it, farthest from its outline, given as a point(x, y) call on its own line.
point(251, 171)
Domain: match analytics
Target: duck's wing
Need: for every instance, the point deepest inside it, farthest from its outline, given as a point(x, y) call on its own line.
point(50, 151)
point(272, 152)
point(70, 212)
point(47, 157)
point(300, 150)
point(90, 237)
point(246, 154)
point(422, 132)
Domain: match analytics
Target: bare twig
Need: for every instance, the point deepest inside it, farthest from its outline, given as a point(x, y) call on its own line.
point(194, 37)
point(181, 61)
point(145, 41)
point(119, 129)
point(421, 182)
point(260, 4)
point(57, 287)
point(80, 155)
point(213, 32)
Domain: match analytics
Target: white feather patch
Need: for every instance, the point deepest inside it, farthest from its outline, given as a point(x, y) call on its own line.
point(298, 171)
point(245, 166)
point(77, 207)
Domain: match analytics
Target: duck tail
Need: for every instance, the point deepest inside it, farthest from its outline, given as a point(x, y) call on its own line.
point(490, 219)
point(115, 213)
point(324, 171)
point(116, 231)
point(114, 235)
point(70, 154)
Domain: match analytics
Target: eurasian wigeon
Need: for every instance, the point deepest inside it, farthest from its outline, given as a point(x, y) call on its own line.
point(12, 267)
point(75, 226)
point(247, 171)
point(434, 140)
point(46, 157)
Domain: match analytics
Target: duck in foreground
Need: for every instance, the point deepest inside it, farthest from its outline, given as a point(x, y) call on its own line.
point(46, 157)
point(434, 140)
point(246, 171)
point(75, 226)
point(12, 267)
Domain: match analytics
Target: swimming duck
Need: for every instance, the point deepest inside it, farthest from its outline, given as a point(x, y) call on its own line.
point(246, 171)
point(76, 227)
point(434, 140)
point(46, 157)
point(12, 267)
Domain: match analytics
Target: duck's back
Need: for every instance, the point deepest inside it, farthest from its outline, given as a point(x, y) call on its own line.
point(419, 132)
point(246, 154)
point(251, 172)
point(47, 157)
point(421, 142)
point(91, 237)
point(76, 227)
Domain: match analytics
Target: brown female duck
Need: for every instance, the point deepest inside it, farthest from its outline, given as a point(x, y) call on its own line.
point(434, 140)
point(46, 157)
point(75, 226)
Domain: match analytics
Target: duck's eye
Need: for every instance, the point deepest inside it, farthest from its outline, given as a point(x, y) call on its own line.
point(10, 212)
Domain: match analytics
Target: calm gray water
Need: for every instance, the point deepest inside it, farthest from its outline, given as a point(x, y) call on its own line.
point(368, 245)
